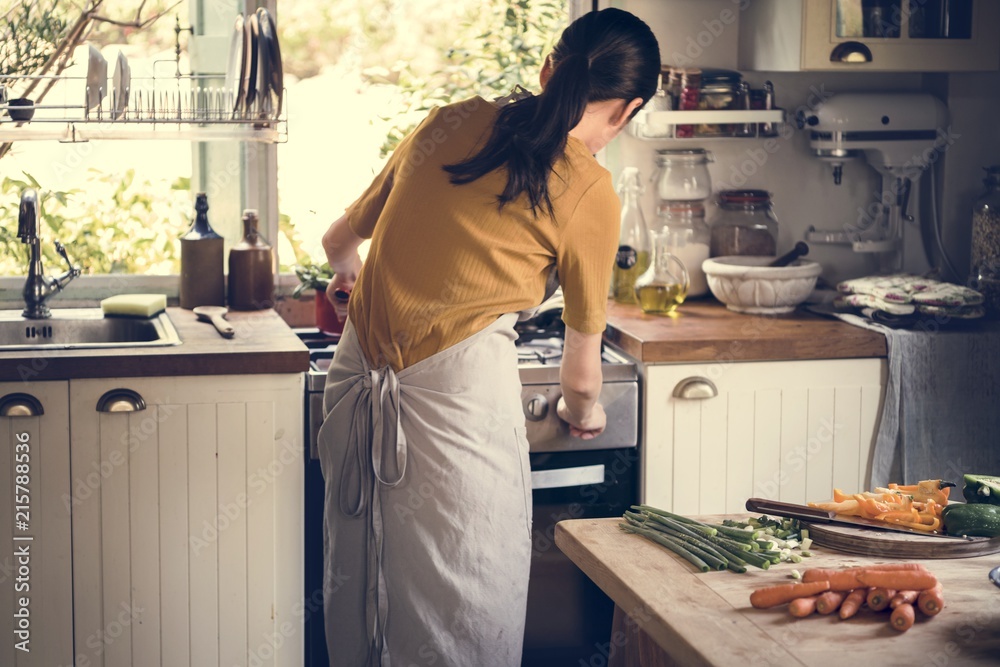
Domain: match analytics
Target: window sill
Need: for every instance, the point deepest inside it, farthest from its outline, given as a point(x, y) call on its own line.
point(87, 292)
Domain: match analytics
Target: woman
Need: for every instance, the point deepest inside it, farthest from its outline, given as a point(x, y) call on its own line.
point(428, 502)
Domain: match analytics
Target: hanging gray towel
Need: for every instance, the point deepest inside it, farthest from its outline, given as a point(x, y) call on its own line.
point(941, 416)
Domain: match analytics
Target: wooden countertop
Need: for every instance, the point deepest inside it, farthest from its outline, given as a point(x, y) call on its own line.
point(263, 344)
point(705, 330)
point(706, 618)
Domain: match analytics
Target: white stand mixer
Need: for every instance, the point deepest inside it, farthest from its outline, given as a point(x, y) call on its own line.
point(900, 134)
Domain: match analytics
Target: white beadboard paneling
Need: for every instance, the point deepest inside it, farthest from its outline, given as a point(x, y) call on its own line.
point(657, 454)
point(791, 487)
point(262, 471)
point(847, 439)
point(144, 531)
point(203, 558)
point(289, 535)
point(53, 576)
point(766, 445)
point(116, 565)
point(819, 443)
point(740, 459)
point(687, 456)
point(711, 487)
point(872, 397)
point(87, 493)
point(232, 521)
point(173, 487)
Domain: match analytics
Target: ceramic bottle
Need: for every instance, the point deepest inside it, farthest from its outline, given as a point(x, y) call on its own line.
point(202, 279)
point(251, 269)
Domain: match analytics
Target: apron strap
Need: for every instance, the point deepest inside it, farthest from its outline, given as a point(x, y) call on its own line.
point(376, 437)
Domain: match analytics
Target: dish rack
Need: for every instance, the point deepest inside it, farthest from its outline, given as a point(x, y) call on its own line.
point(188, 107)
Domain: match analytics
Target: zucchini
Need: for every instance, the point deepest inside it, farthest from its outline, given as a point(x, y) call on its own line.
point(972, 519)
point(982, 489)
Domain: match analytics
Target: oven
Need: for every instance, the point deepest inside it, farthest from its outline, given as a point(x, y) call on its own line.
point(568, 617)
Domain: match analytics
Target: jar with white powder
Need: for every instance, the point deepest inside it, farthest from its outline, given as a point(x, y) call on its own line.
point(687, 238)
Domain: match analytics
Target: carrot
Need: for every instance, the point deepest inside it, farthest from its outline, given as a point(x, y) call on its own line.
point(802, 607)
point(903, 597)
point(847, 578)
point(878, 598)
point(772, 596)
point(931, 601)
point(902, 617)
point(830, 601)
point(849, 607)
point(911, 580)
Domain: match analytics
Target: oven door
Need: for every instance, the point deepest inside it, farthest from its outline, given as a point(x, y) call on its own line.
point(569, 617)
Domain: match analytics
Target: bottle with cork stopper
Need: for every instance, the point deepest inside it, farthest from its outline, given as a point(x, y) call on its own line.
point(202, 278)
point(251, 269)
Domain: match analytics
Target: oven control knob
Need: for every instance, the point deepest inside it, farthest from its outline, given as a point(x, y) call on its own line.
point(536, 407)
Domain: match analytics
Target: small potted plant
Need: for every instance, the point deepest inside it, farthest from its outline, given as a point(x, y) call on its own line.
point(316, 277)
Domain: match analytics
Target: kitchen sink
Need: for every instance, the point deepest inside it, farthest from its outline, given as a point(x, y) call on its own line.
point(74, 328)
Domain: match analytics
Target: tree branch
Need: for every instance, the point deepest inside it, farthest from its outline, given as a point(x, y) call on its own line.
point(137, 22)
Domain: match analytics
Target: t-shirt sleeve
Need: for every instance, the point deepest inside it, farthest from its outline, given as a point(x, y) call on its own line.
point(366, 209)
point(586, 255)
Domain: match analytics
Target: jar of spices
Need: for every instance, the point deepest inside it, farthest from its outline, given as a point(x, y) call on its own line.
point(681, 226)
point(745, 224)
point(985, 258)
point(683, 174)
point(690, 99)
point(719, 91)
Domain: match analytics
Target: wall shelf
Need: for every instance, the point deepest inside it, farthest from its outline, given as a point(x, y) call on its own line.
point(748, 121)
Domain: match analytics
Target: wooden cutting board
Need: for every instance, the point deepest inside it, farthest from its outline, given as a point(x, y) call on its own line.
point(876, 543)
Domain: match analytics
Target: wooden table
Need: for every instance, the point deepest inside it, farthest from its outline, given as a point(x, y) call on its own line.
point(666, 613)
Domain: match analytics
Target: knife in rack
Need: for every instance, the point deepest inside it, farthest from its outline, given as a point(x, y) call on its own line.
point(817, 515)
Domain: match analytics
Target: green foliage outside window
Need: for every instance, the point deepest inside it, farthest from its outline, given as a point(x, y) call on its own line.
point(117, 224)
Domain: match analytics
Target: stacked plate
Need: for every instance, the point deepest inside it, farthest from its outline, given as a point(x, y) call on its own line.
point(254, 76)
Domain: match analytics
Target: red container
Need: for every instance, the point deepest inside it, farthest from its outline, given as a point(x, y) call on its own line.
point(326, 316)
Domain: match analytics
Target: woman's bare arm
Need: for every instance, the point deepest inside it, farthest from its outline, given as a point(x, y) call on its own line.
point(340, 244)
point(580, 377)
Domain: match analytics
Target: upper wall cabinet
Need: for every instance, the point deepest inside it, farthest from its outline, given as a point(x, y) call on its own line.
point(870, 35)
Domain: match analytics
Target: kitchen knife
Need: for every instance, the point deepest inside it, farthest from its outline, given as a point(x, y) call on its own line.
point(817, 515)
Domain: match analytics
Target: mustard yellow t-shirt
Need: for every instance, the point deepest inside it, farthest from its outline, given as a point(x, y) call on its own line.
point(445, 262)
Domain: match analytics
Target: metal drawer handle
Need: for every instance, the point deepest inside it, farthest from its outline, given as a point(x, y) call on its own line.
point(120, 400)
point(695, 387)
point(20, 405)
point(562, 478)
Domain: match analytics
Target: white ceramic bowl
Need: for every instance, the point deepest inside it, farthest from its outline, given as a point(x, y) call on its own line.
point(746, 285)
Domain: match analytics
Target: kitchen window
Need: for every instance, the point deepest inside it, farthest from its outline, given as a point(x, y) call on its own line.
point(359, 74)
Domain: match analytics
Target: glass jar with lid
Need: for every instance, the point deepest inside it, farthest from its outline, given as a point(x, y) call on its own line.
point(745, 224)
point(985, 256)
point(720, 90)
point(683, 174)
point(681, 226)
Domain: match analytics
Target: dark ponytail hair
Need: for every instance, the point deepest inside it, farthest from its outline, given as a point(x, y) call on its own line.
point(605, 55)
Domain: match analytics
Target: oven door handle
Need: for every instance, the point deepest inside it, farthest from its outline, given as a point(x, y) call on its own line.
point(562, 478)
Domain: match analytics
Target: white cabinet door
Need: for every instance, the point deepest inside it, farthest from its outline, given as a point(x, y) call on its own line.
point(785, 430)
point(187, 520)
point(817, 35)
point(36, 593)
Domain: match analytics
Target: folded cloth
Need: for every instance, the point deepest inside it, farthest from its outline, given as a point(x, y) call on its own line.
point(939, 418)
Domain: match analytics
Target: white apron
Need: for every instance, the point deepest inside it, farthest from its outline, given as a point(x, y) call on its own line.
point(427, 514)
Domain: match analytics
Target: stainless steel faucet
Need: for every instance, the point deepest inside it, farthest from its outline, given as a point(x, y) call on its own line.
point(38, 287)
